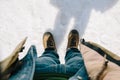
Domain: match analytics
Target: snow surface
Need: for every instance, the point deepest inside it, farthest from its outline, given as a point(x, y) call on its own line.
point(96, 20)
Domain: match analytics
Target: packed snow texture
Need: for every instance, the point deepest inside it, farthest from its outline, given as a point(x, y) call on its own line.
point(96, 20)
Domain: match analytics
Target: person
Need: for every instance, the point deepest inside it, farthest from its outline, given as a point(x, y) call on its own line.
point(48, 67)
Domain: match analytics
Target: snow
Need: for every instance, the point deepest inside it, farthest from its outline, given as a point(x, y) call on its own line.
point(96, 20)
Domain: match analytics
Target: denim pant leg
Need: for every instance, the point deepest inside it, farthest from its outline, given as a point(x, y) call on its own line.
point(74, 59)
point(45, 62)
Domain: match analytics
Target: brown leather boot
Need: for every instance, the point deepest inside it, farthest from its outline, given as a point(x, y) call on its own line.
point(48, 41)
point(73, 39)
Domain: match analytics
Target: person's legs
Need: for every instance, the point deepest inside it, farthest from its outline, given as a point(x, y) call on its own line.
point(49, 57)
point(73, 57)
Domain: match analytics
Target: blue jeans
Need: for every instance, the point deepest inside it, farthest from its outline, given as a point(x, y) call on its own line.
point(49, 62)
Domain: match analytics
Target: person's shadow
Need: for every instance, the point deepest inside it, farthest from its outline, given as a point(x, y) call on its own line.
point(79, 11)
